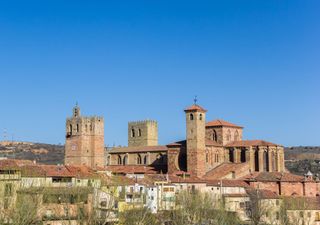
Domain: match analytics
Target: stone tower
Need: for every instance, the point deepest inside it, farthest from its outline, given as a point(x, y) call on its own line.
point(84, 140)
point(143, 133)
point(196, 122)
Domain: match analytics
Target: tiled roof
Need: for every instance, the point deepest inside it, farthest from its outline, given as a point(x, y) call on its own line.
point(223, 170)
point(14, 163)
point(195, 107)
point(221, 123)
point(183, 143)
point(248, 143)
point(179, 179)
point(131, 169)
point(227, 183)
point(262, 193)
point(159, 148)
point(273, 176)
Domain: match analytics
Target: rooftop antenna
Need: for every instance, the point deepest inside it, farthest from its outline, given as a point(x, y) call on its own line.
point(195, 99)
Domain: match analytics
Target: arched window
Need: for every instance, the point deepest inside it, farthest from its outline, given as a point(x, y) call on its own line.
point(70, 128)
point(214, 136)
point(139, 160)
point(191, 116)
point(145, 160)
point(200, 116)
point(125, 160)
point(236, 135)
point(77, 127)
point(133, 133)
point(139, 132)
point(228, 135)
point(119, 160)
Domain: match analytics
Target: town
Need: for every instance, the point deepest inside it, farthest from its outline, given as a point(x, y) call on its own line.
point(214, 176)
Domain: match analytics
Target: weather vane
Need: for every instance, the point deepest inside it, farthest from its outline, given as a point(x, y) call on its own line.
point(195, 99)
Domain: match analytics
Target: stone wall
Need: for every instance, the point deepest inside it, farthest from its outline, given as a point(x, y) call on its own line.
point(143, 133)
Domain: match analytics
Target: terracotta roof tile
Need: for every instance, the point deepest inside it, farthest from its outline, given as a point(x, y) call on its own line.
point(273, 176)
point(195, 107)
point(263, 193)
point(223, 170)
point(221, 123)
point(183, 143)
point(248, 143)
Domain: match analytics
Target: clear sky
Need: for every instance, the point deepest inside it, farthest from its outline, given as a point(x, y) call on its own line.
point(253, 63)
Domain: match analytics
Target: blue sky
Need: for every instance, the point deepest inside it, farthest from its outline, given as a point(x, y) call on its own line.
point(253, 63)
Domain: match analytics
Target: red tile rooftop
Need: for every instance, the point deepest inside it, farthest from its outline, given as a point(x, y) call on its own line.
point(195, 107)
point(248, 143)
point(223, 170)
point(221, 123)
point(273, 176)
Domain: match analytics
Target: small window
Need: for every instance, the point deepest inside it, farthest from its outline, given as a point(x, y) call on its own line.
point(191, 116)
point(145, 160)
point(70, 128)
point(119, 160)
point(200, 116)
point(139, 159)
point(77, 127)
point(139, 132)
point(133, 133)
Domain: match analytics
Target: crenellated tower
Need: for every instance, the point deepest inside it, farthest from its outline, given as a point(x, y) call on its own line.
point(84, 140)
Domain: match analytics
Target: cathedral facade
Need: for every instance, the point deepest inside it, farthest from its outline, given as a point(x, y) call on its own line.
point(208, 146)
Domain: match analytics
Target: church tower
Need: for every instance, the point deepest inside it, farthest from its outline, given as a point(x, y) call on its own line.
point(196, 123)
point(84, 140)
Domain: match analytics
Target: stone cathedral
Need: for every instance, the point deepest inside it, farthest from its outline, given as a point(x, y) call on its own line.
point(208, 148)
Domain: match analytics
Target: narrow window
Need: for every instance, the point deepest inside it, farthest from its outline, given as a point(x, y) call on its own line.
point(139, 132)
point(139, 160)
point(200, 116)
point(214, 135)
point(125, 160)
point(119, 160)
point(228, 135)
point(191, 116)
point(70, 128)
point(145, 160)
point(133, 133)
point(236, 136)
point(77, 127)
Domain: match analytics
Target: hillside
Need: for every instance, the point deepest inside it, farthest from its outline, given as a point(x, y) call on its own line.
point(42, 153)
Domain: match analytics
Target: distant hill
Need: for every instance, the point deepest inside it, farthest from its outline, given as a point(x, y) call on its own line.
point(301, 159)
point(302, 152)
point(42, 153)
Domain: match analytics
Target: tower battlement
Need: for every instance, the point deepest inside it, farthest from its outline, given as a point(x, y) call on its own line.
point(84, 140)
point(143, 133)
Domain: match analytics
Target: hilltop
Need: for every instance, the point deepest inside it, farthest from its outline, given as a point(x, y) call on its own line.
point(40, 152)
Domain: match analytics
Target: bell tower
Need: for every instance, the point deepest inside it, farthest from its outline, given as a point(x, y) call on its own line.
point(84, 140)
point(196, 121)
